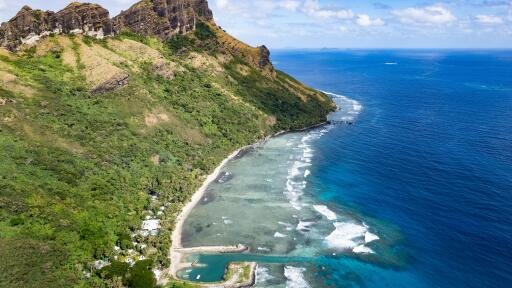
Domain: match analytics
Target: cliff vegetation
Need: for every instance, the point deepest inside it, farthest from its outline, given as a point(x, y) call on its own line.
point(103, 139)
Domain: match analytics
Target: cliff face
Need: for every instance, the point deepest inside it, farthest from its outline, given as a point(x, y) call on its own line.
point(25, 23)
point(160, 18)
point(29, 25)
point(163, 19)
point(89, 18)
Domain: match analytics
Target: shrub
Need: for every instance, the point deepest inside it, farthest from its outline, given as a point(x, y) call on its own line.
point(15, 221)
point(179, 43)
point(204, 32)
point(124, 241)
point(141, 275)
point(116, 269)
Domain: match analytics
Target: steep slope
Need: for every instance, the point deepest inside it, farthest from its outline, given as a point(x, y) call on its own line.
point(99, 134)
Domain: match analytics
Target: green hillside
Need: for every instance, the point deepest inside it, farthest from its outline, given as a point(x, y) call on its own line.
point(95, 135)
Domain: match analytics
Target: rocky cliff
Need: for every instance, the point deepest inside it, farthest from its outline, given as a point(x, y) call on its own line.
point(160, 18)
point(163, 18)
point(29, 25)
point(91, 19)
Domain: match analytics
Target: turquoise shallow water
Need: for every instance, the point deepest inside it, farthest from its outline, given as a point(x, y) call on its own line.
point(262, 200)
point(426, 166)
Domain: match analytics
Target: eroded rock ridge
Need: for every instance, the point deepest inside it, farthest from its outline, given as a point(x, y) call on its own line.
point(160, 18)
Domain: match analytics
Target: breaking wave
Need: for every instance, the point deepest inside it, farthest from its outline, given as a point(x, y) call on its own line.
point(295, 277)
point(348, 109)
point(351, 236)
point(329, 214)
point(262, 274)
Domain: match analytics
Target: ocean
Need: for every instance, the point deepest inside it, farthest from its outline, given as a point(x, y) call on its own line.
point(411, 187)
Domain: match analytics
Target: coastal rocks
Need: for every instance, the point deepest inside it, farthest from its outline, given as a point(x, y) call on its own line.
point(256, 57)
point(264, 62)
point(264, 57)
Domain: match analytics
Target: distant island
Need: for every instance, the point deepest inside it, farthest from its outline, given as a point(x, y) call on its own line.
point(108, 126)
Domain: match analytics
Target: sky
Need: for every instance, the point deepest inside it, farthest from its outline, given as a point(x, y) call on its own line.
point(345, 23)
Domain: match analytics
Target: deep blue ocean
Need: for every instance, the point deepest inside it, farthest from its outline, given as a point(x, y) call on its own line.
point(430, 155)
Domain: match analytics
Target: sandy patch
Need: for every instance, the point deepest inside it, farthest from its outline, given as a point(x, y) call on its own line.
point(135, 51)
point(6, 53)
point(47, 45)
point(155, 159)
point(10, 82)
point(167, 69)
point(205, 62)
point(99, 64)
point(155, 119)
point(68, 54)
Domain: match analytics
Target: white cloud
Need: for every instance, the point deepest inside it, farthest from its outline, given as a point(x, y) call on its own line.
point(3, 4)
point(222, 3)
point(489, 19)
point(313, 8)
point(289, 5)
point(366, 21)
point(429, 15)
point(269, 5)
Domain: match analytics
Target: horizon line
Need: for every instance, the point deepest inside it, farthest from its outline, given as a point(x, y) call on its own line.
point(391, 48)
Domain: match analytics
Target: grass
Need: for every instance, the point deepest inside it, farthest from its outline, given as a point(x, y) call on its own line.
point(76, 169)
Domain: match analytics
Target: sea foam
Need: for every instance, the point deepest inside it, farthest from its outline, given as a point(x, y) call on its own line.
point(297, 173)
point(361, 249)
point(279, 235)
point(295, 277)
point(265, 249)
point(348, 109)
point(262, 274)
point(304, 226)
point(346, 236)
point(370, 237)
point(322, 209)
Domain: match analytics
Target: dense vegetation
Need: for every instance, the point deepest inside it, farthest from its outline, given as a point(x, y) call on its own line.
point(77, 170)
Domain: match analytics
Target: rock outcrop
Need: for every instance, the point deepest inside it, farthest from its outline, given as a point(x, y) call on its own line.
point(29, 25)
point(91, 19)
point(118, 81)
point(27, 22)
point(264, 57)
point(160, 18)
point(163, 18)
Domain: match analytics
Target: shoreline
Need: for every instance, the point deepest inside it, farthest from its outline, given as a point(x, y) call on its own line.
point(176, 251)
